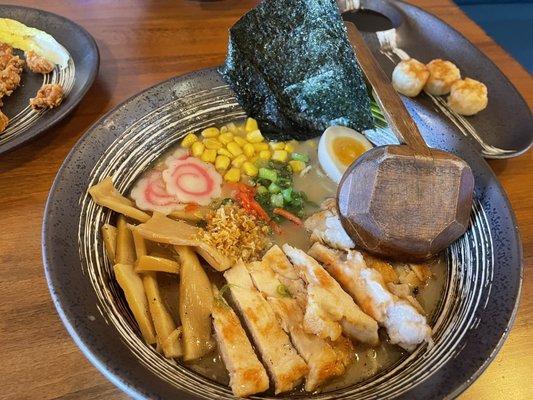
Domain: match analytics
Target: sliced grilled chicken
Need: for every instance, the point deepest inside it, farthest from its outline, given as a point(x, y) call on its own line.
point(326, 227)
point(321, 358)
point(285, 366)
point(330, 310)
point(276, 259)
point(344, 349)
point(401, 279)
point(246, 373)
point(404, 324)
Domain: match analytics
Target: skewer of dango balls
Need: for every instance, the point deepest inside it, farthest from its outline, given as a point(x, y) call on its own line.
point(236, 151)
point(439, 77)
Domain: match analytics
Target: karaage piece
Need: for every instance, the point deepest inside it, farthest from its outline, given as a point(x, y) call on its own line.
point(6, 53)
point(38, 64)
point(48, 96)
point(4, 120)
point(10, 70)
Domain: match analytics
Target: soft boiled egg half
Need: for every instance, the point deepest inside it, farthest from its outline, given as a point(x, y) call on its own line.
point(338, 148)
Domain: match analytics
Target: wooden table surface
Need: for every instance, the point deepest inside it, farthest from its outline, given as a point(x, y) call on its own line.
point(142, 43)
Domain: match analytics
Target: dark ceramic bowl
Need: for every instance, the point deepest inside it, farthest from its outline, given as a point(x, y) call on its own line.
point(470, 325)
point(76, 78)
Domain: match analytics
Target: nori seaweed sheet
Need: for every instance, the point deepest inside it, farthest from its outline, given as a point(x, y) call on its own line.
point(293, 69)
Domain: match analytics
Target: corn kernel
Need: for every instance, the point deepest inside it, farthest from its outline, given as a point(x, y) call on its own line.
point(265, 154)
point(209, 155)
point(234, 148)
point(248, 149)
point(223, 129)
point(277, 145)
point(251, 125)
point(239, 140)
point(260, 146)
point(226, 137)
point(188, 140)
point(232, 127)
point(233, 175)
point(297, 166)
point(224, 152)
point(212, 143)
point(289, 147)
point(250, 169)
point(280, 155)
point(255, 136)
point(222, 162)
point(197, 149)
point(239, 160)
point(210, 132)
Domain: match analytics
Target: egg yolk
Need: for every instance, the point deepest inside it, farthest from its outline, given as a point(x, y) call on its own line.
point(346, 149)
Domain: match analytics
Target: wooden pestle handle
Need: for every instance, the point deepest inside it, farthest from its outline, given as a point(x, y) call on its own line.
point(393, 108)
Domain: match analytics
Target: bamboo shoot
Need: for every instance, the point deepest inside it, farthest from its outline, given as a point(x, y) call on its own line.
point(104, 194)
point(162, 229)
point(156, 264)
point(109, 233)
point(196, 303)
point(162, 320)
point(125, 250)
point(133, 289)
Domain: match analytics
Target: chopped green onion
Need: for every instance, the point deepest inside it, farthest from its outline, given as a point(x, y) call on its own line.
point(273, 188)
point(261, 189)
point(287, 194)
point(265, 173)
point(277, 200)
point(219, 298)
point(300, 157)
point(283, 291)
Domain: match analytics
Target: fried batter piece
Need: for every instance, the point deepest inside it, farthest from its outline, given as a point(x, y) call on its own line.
point(48, 96)
point(4, 120)
point(10, 70)
point(38, 64)
point(6, 53)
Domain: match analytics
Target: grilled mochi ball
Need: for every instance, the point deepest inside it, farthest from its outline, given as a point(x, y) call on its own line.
point(468, 97)
point(442, 76)
point(409, 77)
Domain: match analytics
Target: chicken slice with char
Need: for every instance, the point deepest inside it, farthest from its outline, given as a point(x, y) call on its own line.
point(404, 324)
point(323, 361)
point(287, 275)
point(330, 310)
point(286, 367)
point(276, 259)
point(326, 228)
point(246, 373)
point(344, 349)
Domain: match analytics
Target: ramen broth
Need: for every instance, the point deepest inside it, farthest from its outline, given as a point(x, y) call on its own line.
point(368, 360)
